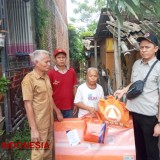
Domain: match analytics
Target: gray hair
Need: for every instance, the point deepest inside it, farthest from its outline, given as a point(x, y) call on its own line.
point(92, 69)
point(38, 55)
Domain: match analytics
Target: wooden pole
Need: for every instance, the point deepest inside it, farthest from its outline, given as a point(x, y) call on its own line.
point(117, 64)
point(95, 53)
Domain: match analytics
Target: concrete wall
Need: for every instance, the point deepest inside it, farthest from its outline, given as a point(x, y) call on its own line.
point(61, 25)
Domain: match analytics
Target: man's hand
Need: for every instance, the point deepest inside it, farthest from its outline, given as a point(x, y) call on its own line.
point(58, 112)
point(35, 137)
point(60, 116)
point(75, 109)
point(92, 110)
point(119, 93)
point(156, 130)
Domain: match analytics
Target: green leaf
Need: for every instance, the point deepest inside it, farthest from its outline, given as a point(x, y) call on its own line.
point(133, 6)
point(131, 10)
point(136, 2)
point(151, 4)
point(118, 14)
point(122, 5)
point(112, 4)
point(144, 7)
point(4, 85)
point(1, 132)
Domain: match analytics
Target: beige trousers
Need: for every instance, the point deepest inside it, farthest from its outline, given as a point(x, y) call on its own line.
point(46, 135)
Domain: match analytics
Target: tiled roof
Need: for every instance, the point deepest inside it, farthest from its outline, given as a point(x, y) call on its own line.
point(108, 27)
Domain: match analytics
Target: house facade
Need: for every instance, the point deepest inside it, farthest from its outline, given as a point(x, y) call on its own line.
point(118, 46)
point(29, 25)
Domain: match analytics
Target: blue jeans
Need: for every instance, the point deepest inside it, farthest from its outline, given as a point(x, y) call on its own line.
point(67, 113)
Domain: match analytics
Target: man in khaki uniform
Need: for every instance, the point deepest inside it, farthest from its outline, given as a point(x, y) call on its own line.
point(38, 102)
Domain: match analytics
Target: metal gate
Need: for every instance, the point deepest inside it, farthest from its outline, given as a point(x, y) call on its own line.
point(16, 19)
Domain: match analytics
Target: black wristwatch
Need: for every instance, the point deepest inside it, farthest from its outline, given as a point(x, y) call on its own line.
point(158, 123)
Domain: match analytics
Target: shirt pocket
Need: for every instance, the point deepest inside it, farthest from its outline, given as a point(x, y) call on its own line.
point(41, 93)
point(152, 82)
point(134, 76)
point(41, 89)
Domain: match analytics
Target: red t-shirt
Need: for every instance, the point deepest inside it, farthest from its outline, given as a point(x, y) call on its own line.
point(63, 85)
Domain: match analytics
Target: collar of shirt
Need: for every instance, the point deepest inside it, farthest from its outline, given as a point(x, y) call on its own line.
point(56, 69)
point(37, 75)
point(150, 62)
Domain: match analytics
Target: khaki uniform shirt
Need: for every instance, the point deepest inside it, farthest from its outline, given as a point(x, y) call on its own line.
point(39, 91)
point(147, 102)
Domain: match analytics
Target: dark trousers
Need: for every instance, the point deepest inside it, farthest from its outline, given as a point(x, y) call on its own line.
point(146, 144)
point(67, 113)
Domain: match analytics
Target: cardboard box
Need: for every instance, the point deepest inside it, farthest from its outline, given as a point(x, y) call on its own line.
point(119, 143)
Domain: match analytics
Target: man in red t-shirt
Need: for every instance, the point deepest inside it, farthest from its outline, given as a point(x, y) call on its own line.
point(64, 84)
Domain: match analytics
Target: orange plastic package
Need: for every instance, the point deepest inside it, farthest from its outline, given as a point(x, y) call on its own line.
point(95, 129)
point(118, 143)
point(115, 112)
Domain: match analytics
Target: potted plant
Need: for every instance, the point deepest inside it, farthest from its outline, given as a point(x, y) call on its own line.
point(3, 85)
